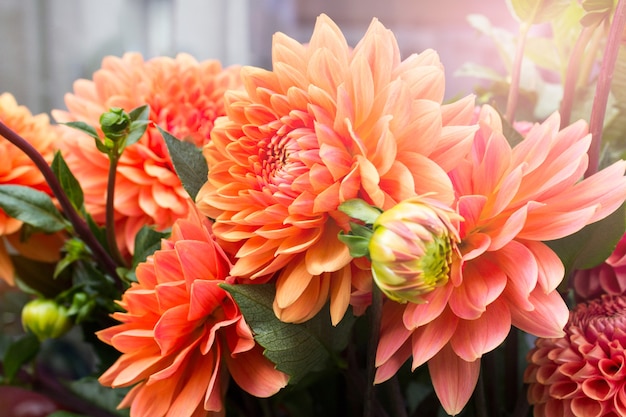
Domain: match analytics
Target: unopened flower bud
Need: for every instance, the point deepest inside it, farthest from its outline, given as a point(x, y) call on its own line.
point(45, 319)
point(115, 123)
point(411, 248)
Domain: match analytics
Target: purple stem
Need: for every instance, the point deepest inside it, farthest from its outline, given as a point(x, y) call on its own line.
point(81, 228)
point(603, 86)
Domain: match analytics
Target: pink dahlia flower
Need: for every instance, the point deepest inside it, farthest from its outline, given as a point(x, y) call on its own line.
point(607, 278)
point(182, 335)
point(583, 373)
point(185, 98)
point(327, 124)
point(17, 169)
point(511, 199)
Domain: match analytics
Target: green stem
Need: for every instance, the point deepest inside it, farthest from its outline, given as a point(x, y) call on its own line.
point(110, 211)
point(376, 310)
point(516, 72)
point(80, 227)
point(571, 76)
point(603, 86)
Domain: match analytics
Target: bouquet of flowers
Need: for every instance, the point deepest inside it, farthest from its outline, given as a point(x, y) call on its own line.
point(325, 237)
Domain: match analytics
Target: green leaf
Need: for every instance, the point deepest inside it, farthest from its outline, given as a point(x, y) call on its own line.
point(358, 245)
point(32, 207)
point(85, 128)
point(596, 11)
point(137, 129)
point(591, 245)
point(100, 396)
point(18, 353)
point(147, 241)
point(537, 11)
point(140, 113)
point(296, 349)
point(68, 181)
point(359, 209)
point(188, 161)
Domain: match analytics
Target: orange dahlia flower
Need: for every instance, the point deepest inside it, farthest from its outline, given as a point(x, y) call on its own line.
point(583, 373)
point(511, 200)
point(327, 124)
point(18, 169)
point(182, 335)
point(185, 97)
point(607, 278)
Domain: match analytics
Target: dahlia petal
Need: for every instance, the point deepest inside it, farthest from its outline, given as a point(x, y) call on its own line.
point(416, 315)
point(292, 282)
point(390, 367)
point(429, 339)
point(483, 282)
point(194, 389)
point(339, 293)
point(473, 338)
point(170, 326)
point(308, 305)
point(393, 334)
point(520, 266)
point(205, 297)
point(453, 378)
point(155, 401)
point(429, 177)
point(328, 254)
point(255, 374)
point(551, 269)
point(547, 319)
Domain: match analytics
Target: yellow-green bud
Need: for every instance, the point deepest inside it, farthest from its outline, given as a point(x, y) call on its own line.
point(45, 319)
point(411, 248)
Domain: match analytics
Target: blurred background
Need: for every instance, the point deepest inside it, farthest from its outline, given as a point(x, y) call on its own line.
point(45, 45)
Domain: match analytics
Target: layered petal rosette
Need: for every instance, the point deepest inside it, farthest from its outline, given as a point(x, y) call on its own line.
point(181, 335)
point(18, 169)
point(511, 199)
point(583, 373)
point(327, 124)
point(185, 96)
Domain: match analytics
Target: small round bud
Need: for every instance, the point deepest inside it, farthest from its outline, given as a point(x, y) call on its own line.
point(115, 123)
point(45, 319)
point(411, 248)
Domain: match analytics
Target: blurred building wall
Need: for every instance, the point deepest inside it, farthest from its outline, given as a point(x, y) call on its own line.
point(47, 44)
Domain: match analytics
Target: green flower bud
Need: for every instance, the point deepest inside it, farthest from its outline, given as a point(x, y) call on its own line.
point(411, 248)
point(45, 319)
point(115, 123)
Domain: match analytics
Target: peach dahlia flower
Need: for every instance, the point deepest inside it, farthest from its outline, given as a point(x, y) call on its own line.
point(17, 169)
point(583, 373)
point(182, 335)
point(511, 200)
point(327, 124)
point(185, 97)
